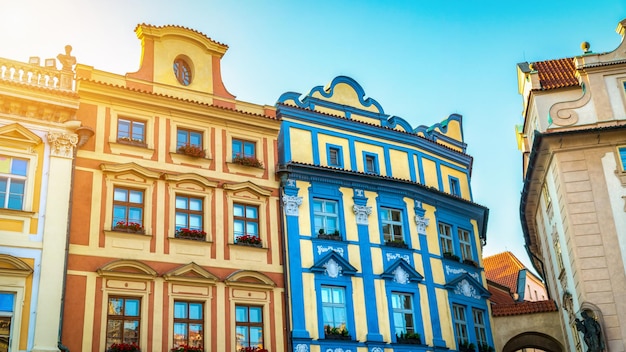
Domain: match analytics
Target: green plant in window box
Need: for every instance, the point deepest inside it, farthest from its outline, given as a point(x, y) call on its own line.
point(247, 161)
point(190, 234)
point(470, 262)
point(249, 240)
point(128, 226)
point(124, 347)
point(484, 347)
point(187, 348)
point(336, 236)
point(191, 150)
point(466, 346)
point(128, 140)
point(397, 243)
point(451, 256)
point(252, 349)
point(410, 338)
point(335, 333)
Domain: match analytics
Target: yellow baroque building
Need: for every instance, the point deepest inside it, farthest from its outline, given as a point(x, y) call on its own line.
point(174, 235)
point(38, 138)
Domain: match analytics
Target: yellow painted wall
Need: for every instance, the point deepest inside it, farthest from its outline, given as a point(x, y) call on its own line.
point(430, 173)
point(360, 319)
point(447, 330)
point(322, 141)
point(425, 302)
point(28, 292)
point(374, 149)
point(310, 306)
point(399, 164)
point(462, 177)
point(302, 138)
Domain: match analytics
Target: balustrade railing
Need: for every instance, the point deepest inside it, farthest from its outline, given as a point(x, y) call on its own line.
point(31, 74)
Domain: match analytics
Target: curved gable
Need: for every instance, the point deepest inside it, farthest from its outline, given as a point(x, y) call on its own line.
point(249, 279)
point(127, 268)
point(12, 266)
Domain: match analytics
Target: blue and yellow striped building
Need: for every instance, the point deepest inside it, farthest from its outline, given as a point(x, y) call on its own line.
point(383, 240)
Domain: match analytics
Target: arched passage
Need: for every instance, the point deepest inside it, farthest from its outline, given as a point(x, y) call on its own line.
point(533, 340)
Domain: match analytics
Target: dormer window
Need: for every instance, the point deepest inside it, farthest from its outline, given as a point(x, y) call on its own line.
point(182, 71)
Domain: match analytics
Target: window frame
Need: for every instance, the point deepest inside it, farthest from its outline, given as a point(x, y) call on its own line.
point(10, 177)
point(480, 327)
point(182, 71)
point(460, 323)
point(123, 319)
point(245, 219)
point(188, 212)
point(10, 316)
point(248, 325)
point(324, 216)
point(374, 159)
point(403, 311)
point(127, 204)
point(131, 140)
point(455, 186)
point(334, 305)
point(243, 143)
point(338, 150)
point(392, 223)
point(188, 321)
point(465, 246)
point(446, 241)
point(188, 133)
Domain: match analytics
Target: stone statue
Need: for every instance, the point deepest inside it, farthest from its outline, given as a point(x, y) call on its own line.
point(592, 332)
point(67, 60)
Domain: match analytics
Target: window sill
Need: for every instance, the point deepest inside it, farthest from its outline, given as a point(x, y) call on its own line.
point(244, 169)
point(190, 247)
point(621, 175)
point(402, 245)
point(17, 213)
point(181, 158)
point(330, 237)
point(127, 240)
point(132, 149)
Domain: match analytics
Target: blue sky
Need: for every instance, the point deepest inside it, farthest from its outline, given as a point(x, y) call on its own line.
point(420, 60)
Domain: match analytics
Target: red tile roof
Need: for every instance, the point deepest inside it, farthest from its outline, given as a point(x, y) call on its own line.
point(503, 268)
point(500, 310)
point(556, 73)
point(499, 293)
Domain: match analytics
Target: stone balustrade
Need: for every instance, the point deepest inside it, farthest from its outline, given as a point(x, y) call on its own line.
point(31, 74)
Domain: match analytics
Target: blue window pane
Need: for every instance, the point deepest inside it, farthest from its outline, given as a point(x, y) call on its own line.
point(136, 197)
point(138, 131)
point(238, 227)
point(132, 307)
point(181, 138)
point(252, 228)
point(241, 314)
point(17, 187)
point(317, 206)
point(195, 204)
point(134, 215)
point(251, 212)
point(330, 207)
point(255, 315)
point(123, 129)
point(180, 331)
point(18, 167)
point(115, 306)
point(248, 149)
point(237, 148)
point(120, 195)
point(3, 199)
point(325, 294)
point(6, 302)
point(195, 222)
point(256, 336)
point(181, 221)
point(195, 311)
point(15, 202)
point(238, 210)
point(242, 336)
point(180, 310)
point(181, 202)
point(195, 138)
point(119, 213)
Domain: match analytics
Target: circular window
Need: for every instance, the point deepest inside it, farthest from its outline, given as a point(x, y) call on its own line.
point(182, 71)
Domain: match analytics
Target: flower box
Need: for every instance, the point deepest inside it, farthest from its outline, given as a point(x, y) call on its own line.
point(252, 349)
point(336, 333)
point(337, 337)
point(187, 348)
point(249, 240)
point(191, 150)
point(189, 234)
point(483, 347)
point(397, 244)
point(329, 237)
point(130, 227)
point(409, 338)
point(124, 347)
point(247, 161)
point(466, 346)
point(450, 256)
point(130, 141)
point(470, 262)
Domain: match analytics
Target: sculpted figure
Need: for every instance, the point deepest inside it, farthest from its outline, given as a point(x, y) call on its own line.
point(592, 332)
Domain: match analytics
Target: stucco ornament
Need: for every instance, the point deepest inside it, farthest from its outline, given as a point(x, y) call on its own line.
point(393, 256)
point(466, 289)
point(400, 276)
point(422, 223)
point(451, 270)
point(333, 269)
point(62, 144)
point(338, 349)
point(322, 249)
point(376, 349)
point(361, 212)
point(291, 205)
point(302, 348)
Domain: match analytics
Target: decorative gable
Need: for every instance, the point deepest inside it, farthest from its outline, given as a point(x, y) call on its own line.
point(127, 268)
point(467, 286)
point(249, 279)
point(18, 136)
point(130, 172)
point(248, 190)
point(401, 272)
point(191, 273)
point(333, 265)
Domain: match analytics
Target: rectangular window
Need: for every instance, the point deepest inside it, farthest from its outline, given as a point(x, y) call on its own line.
point(334, 307)
point(245, 149)
point(465, 243)
point(123, 319)
point(188, 324)
point(127, 206)
point(189, 213)
point(455, 187)
point(188, 138)
point(246, 220)
point(131, 131)
point(622, 154)
point(326, 216)
point(402, 305)
point(6, 319)
point(249, 326)
point(12, 182)
point(445, 239)
point(334, 157)
point(460, 323)
point(371, 164)
point(479, 326)
point(391, 220)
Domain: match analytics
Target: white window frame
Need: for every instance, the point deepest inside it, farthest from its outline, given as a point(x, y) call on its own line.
point(461, 332)
point(324, 216)
point(465, 244)
point(445, 238)
point(480, 329)
point(392, 236)
point(403, 312)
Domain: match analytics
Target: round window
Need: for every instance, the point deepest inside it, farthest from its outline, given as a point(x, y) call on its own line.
point(182, 71)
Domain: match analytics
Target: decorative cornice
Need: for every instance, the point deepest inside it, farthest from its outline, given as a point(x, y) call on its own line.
point(62, 144)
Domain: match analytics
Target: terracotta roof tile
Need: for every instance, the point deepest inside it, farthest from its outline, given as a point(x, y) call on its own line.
point(503, 268)
point(499, 293)
point(520, 308)
point(556, 73)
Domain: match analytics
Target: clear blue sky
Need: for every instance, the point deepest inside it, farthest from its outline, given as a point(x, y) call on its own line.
point(420, 60)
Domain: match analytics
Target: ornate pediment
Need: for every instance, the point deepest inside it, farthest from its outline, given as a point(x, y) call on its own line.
point(18, 136)
point(188, 180)
point(243, 187)
point(249, 279)
point(467, 286)
point(402, 272)
point(12, 266)
point(130, 171)
point(127, 268)
point(191, 272)
point(333, 265)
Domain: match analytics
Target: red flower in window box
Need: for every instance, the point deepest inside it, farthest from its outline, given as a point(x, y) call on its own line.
point(124, 347)
point(190, 234)
point(247, 160)
point(252, 349)
point(187, 348)
point(128, 226)
point(249, 240)
point(192, 150)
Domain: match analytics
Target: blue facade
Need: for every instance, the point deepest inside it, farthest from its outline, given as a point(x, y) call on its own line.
point(383, 240)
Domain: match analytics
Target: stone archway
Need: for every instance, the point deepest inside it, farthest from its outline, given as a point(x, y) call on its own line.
point(533, 340)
